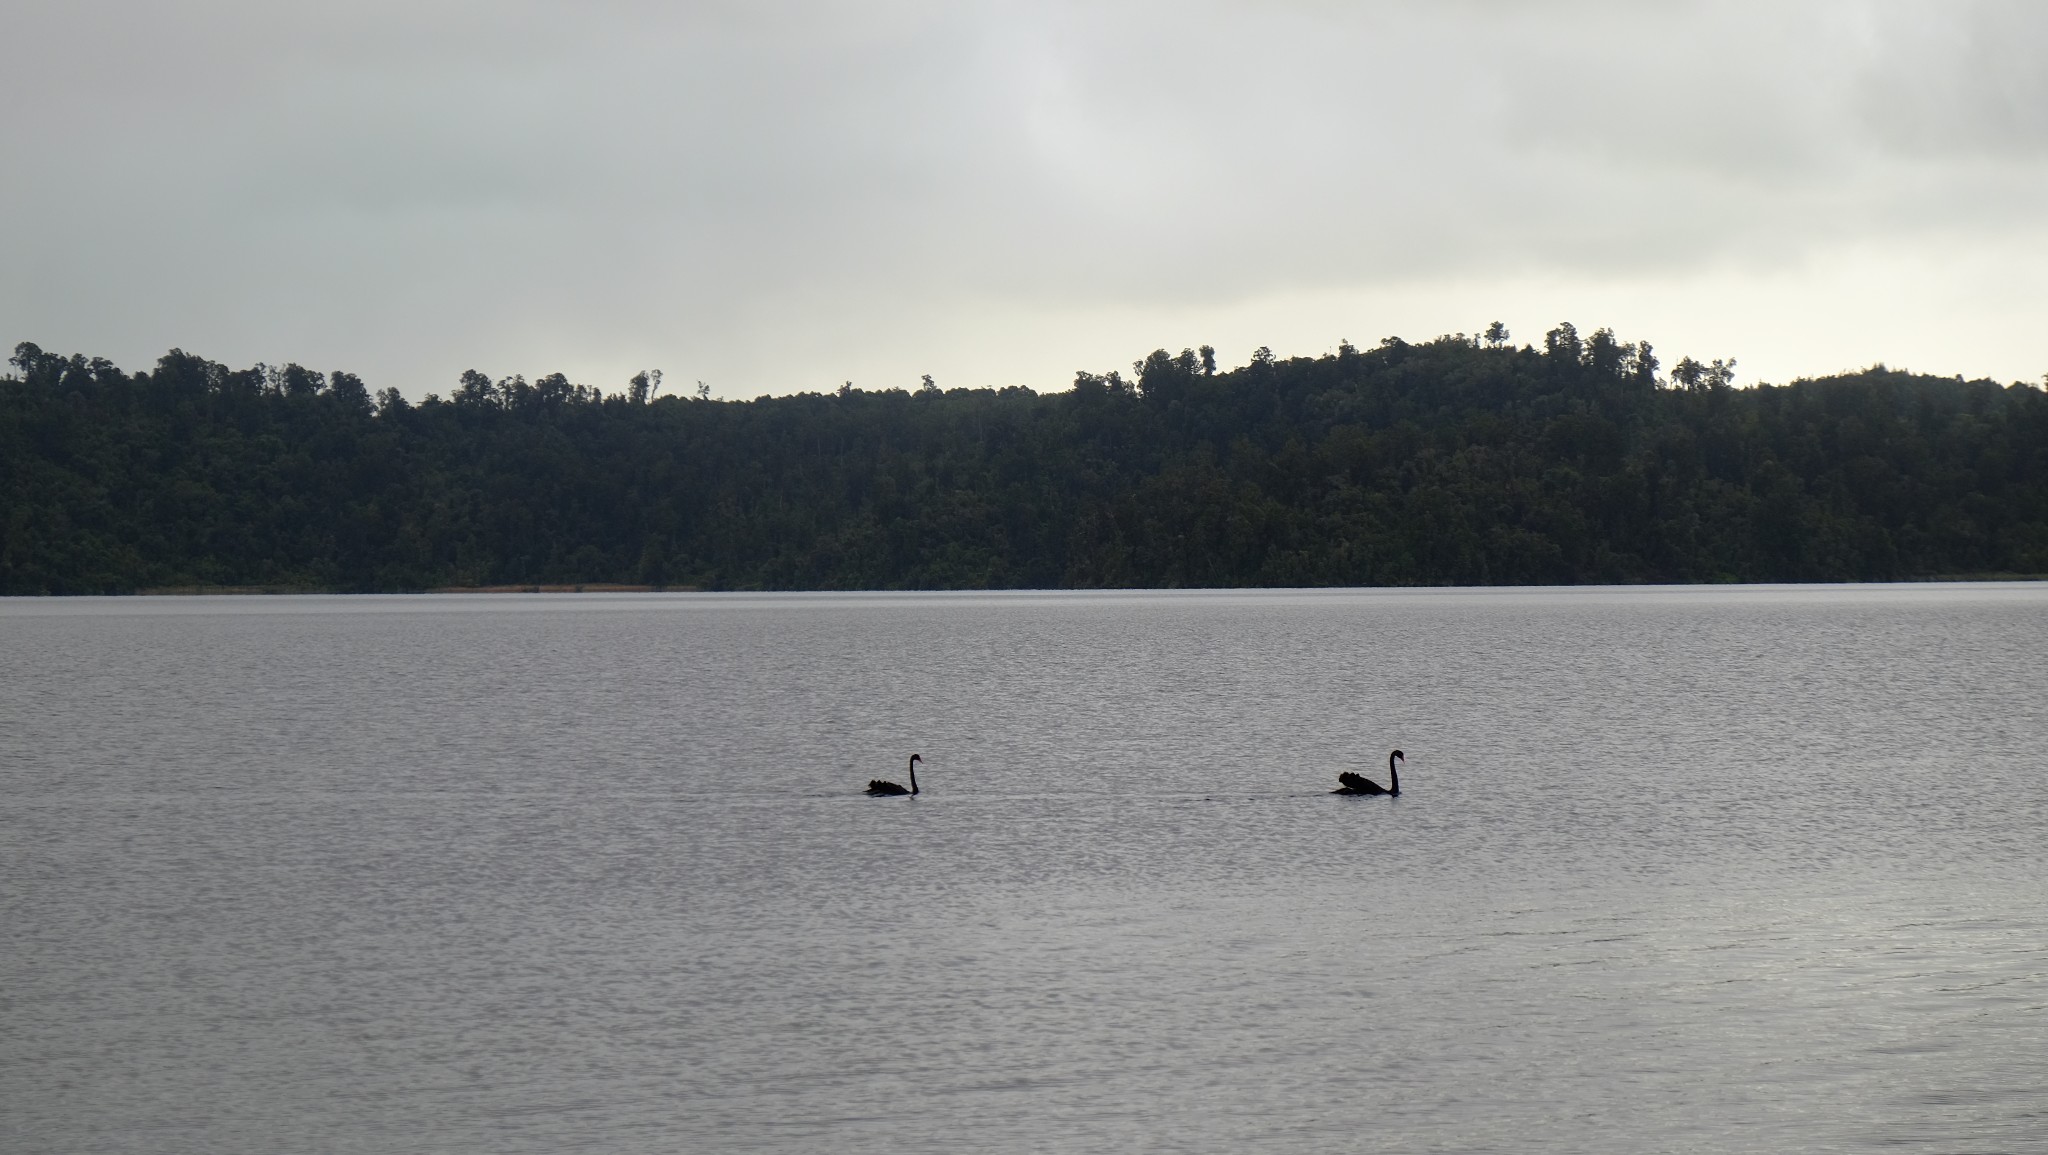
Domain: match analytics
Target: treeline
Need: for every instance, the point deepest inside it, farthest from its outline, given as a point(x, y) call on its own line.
point(1457, 461)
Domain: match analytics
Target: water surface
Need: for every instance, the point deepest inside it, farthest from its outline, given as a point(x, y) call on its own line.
point(1672, 869)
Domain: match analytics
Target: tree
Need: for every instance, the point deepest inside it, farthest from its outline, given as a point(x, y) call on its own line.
point(476, 389)
point(1605, 354)
point(1695, 377)
point(553, 391)
point(1563, 344)
point(349, 392)
point(28, 357)
point(292, 380)
point(1162, 377)
point(1688, 374)
point(1643, 368)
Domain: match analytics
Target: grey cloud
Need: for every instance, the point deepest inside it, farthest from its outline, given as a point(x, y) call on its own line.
point(1969, 79)
point(739, 190)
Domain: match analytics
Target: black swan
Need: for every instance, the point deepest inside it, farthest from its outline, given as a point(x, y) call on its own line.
point(1356, 784)
point(878, 787)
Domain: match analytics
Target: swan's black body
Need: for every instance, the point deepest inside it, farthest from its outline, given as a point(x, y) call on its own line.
point(878, 787)
point(1350, 783)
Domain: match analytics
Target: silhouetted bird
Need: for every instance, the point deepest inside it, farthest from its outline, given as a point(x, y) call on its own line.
point(1358, 784)
point(878, 787)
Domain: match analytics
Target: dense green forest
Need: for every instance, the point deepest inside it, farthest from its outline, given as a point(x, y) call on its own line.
point(1457, 461)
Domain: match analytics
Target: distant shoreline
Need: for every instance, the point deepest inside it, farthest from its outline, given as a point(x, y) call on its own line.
point(1449, 463)
point(619, 588)
point(529, 588)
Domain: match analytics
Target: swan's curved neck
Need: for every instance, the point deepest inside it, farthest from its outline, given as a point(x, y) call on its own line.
point(913, 776)
point(1394, 773)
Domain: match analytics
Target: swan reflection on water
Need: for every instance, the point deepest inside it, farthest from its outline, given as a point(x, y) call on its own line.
point(879, 788)
point(1349, 783)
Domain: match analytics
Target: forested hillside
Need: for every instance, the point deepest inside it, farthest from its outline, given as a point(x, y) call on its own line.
point(1455, 461)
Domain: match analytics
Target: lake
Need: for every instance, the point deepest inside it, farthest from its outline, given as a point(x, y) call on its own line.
point(1675, 868)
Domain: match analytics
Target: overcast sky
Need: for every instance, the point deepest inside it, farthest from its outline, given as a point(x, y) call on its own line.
point(772, 197)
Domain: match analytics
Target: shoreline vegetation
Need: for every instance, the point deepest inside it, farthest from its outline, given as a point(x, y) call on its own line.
point(606, 588)
point(282, 591)
point(1457, 461)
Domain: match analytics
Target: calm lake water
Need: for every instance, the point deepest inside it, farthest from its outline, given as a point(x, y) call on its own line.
point(1673, 869)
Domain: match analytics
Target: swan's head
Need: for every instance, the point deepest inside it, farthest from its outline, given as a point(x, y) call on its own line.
point(1398, 754)
point(916, 758)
